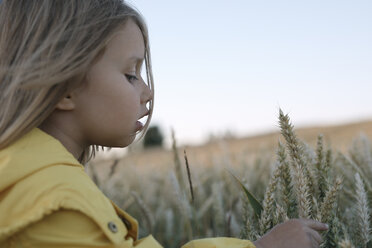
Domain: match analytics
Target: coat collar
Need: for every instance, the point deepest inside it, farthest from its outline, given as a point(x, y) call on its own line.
point(130, 223)
point(32, 152)
point(37, 150)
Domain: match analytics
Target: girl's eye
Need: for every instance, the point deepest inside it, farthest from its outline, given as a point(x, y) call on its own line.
point(131, 78)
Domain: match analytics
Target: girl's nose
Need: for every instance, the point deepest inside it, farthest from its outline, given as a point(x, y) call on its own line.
point(147, 94)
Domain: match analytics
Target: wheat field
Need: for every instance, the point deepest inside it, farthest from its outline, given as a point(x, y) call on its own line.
point(322, 173)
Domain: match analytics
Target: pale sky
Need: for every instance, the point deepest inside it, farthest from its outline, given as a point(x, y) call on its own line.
point(229, 65)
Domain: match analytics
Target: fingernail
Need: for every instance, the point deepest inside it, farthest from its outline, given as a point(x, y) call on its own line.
point(326, 226)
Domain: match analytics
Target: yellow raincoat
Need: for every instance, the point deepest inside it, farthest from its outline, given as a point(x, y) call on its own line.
point(47, 200)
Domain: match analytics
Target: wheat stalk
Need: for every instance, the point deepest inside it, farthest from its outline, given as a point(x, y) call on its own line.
point(177, 162)
point(145, 211)
point(178, 195)
point(218, 205)
point(169, 222)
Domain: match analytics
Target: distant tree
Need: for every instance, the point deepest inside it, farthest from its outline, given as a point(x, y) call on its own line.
point(153, 138)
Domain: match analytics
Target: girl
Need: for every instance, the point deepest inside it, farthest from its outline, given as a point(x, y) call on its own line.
point(70, 81)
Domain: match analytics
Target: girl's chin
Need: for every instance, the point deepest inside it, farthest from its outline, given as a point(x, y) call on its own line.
point(128, 141)
point(125, 141)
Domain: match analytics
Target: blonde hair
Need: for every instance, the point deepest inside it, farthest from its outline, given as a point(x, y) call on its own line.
point(46, 49)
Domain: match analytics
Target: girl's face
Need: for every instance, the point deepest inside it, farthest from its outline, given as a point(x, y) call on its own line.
point(114, 97)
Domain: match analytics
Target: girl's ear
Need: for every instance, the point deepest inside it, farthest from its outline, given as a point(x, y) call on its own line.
point(66, 103)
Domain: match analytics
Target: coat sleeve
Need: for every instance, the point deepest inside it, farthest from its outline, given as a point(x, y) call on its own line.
point(220, 242)
point(72, 229)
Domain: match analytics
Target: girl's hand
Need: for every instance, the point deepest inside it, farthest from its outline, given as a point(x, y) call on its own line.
point(293, 234)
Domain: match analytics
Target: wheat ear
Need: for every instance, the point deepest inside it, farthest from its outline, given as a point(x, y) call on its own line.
point(300, 179)
point(285, 179)
point(329, 202)
point(362, 211)
point(189, 177)
point(345, 244)
point(320, 167)
point(268, 203)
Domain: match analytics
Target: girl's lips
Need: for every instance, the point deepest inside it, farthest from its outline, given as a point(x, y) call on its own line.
point(139, 125)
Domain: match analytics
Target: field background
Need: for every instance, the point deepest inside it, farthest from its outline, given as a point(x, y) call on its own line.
point(246, 149)
point(150, 186)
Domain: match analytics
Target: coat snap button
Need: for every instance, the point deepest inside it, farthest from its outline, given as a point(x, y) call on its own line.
point(112, 226)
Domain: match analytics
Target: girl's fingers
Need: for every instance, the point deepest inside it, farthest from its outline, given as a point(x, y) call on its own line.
point(315, 236)
point(316, 225)
point(314, 243)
